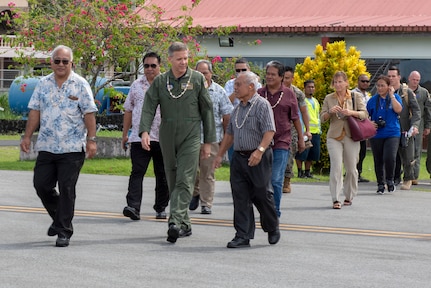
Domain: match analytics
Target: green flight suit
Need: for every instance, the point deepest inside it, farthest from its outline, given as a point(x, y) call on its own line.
point(180, 133)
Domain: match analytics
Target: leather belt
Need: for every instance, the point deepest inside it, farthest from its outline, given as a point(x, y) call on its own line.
point(245, 153)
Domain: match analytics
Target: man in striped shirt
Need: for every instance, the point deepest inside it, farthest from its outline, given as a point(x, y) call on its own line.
point(251, 130)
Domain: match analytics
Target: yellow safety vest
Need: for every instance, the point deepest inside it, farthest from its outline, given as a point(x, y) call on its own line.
point(313, 108)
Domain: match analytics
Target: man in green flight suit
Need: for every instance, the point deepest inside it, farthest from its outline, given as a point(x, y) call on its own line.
point(184, 104)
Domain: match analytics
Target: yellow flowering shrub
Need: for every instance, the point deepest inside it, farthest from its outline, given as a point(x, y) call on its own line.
point(321, 69)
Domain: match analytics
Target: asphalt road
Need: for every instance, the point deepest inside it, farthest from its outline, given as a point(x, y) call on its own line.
point(380, 241)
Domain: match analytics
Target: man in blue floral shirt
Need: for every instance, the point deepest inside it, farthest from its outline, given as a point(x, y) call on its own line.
point(222, 107)
point(62, 107)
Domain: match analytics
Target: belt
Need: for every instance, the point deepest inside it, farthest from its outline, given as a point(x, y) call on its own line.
point(245, 153)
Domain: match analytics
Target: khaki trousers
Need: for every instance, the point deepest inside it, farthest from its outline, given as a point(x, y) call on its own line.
point(342, 152)
point(205, 180)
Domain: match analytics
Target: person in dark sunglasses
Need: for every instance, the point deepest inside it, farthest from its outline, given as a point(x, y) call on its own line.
point(63, 107)
point(140, 157)
point(241, 65)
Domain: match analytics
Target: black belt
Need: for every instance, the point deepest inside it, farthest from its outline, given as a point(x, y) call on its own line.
point(245, 153)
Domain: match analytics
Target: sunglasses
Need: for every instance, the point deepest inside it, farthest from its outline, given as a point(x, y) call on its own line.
point(154, 66)
point(64, 61)
point(365, 81)
point(240, 70)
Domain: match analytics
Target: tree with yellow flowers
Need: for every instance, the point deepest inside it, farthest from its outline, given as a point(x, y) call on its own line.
point(321, 69)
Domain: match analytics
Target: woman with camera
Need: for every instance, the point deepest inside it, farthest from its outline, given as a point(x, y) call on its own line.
point(342, 149)
point(384, 109)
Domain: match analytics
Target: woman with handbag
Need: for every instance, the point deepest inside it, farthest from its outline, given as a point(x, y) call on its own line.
point(384, 108)
point(337, 106)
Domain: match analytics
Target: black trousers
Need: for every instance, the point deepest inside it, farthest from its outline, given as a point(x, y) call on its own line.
point(252, 185)
point(62, 169)
point(140, 160)
point(362, 154)
point(384, 153)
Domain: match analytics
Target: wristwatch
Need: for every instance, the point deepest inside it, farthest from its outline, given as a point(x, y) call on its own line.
point(261, 149)
point(92, 138)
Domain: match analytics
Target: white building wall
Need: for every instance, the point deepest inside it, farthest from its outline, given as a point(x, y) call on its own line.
point(373, 46)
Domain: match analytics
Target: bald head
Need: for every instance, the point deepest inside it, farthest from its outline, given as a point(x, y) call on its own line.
point(414, 80)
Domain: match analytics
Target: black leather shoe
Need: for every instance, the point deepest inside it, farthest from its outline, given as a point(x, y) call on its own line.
point(62, 241)
point(131, 212)
point(51, 230)
point(274, 236)
point(362, 180)
point(238, 242)
point(185, 233)
point(206, 210)
point(161, 215)
point(194, 204)
point(173, 233)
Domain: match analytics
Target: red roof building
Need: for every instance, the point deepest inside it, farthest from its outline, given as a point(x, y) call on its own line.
point(386, 31)
point(316, 16)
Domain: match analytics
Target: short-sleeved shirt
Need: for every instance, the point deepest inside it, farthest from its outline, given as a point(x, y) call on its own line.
point(62, 127)
point(378, 107)
point(248, 123)
point(285, 108)
point(133, 103)
point(221, 107)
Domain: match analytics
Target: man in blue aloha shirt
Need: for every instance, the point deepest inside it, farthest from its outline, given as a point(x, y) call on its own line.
point(62, 107)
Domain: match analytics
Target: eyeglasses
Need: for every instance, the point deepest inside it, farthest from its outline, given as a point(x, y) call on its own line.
point(365, 81)
point(240, 70)
point(150, 65)
point(64, 61)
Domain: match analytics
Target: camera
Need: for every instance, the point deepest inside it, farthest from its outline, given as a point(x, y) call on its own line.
point(381, 122)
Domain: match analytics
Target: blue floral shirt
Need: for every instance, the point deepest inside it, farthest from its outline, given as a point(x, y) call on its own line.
point(221, 107)
point(62, 128)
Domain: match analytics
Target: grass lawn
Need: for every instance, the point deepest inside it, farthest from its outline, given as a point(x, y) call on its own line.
point(9, 160)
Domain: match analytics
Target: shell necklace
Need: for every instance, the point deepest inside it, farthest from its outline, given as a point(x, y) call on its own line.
point(278, 101)
point(185, 88)
point(245, 117)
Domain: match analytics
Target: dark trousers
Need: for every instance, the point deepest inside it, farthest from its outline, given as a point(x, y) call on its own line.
point(252, 185)
point(62, 169)
point(362, 154)
point(384, 154)
point(140, 160)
